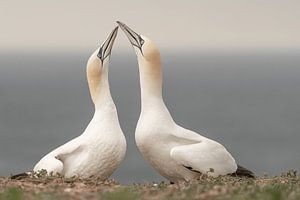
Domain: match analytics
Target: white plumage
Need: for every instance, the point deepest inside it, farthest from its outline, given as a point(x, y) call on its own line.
point(175, 152)
point(99, 150)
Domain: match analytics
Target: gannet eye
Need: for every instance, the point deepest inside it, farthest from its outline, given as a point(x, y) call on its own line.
point(142, 41)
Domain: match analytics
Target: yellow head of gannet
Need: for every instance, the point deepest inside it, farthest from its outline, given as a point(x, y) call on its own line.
point(145, 48)
point(97, 69)
point(149, 64)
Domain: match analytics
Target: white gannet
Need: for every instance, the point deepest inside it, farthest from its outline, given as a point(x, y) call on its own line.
point(99, 150)
point(175, 152)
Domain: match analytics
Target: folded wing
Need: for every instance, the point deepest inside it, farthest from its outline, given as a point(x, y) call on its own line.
point(205, 157)
point(54, 161)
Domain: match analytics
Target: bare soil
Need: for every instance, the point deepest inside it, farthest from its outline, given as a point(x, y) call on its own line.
point(286, 186)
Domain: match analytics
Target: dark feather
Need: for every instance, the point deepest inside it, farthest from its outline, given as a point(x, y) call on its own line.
point(242, 171)
point(191, 169)
point(21, 175)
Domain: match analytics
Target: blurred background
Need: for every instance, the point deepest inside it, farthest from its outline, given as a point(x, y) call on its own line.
point(231, 72)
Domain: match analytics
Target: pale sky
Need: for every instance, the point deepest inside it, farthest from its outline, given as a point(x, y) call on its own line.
point(172, 24)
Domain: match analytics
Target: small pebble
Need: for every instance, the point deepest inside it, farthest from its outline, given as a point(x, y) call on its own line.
point(67, 190)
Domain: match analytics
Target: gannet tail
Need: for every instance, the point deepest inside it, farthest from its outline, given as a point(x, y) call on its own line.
point(242, 171)
point(21, 175)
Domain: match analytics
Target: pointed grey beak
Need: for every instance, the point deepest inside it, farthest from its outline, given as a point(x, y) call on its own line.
point(106, 47)
point(134, 38)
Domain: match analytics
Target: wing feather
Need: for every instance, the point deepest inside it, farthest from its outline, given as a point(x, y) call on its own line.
point(205, 157)
point(54, 161)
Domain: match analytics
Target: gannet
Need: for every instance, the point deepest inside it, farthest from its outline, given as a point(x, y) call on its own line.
point(175, 152)
point(99, 150)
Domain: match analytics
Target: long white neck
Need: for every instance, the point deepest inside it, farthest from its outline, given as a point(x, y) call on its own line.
point(97, 76)
point(151, 86)
point(105, 115)
point(103, 98)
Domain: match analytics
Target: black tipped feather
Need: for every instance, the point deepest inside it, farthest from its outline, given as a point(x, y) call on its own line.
point(191, 169)
point(21, 175)
point(242, 171)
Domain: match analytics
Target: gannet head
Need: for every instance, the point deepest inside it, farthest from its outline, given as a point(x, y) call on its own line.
point(97, 66)
point(145, 49)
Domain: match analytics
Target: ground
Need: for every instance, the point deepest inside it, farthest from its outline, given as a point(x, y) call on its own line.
point(286, 186)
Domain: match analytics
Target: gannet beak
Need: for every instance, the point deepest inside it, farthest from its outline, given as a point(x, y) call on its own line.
point(106, 47)
point(134, 38)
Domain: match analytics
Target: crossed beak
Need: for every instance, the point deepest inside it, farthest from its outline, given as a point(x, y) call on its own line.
point(134, 38)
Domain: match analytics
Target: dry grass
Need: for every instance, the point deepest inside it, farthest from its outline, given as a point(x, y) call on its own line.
point(286, 186)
